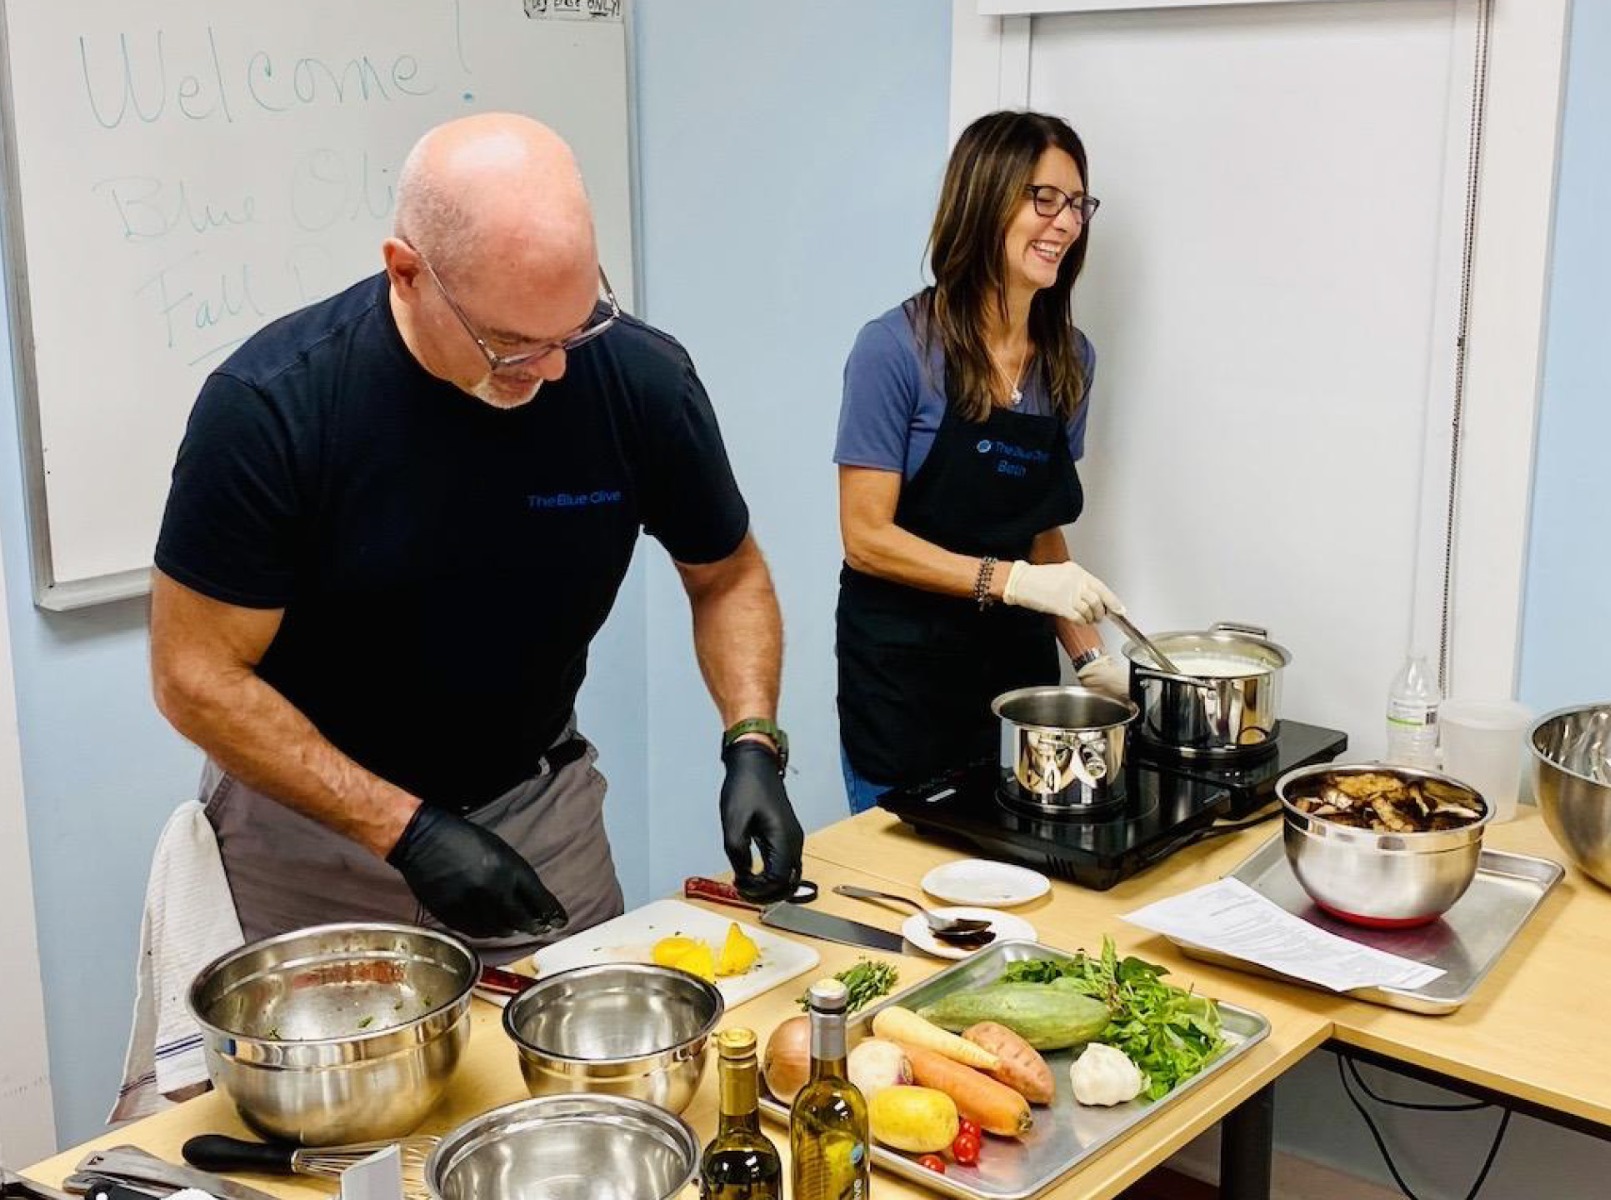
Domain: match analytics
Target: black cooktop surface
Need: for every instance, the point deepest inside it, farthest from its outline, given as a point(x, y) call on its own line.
point(1159, 805)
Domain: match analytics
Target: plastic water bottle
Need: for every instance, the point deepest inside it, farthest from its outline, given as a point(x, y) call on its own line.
point(1412, 715)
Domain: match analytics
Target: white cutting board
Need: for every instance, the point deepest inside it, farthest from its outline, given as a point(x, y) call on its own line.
point(631, 936)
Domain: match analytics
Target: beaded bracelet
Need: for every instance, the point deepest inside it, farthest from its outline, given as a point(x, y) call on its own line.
point(981, 585)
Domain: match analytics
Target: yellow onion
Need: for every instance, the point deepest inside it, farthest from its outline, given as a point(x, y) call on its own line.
point(787, 1063)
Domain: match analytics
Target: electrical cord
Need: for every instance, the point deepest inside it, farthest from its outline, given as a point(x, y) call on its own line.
point(1462, 1106)
point(1381, 1143)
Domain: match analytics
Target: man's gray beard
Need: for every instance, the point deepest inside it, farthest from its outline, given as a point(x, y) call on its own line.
point(487, 392)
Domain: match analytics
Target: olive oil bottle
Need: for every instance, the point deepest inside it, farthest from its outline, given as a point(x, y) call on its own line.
point(828, 1123)
point(740, 1163)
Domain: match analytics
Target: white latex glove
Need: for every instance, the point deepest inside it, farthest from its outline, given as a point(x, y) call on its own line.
point(1063, 589)
point(1107, 676)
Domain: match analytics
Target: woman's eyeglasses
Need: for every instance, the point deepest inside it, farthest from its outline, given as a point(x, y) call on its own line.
point(1049, 201)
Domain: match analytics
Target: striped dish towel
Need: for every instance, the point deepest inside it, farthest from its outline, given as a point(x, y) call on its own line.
point(189, 920)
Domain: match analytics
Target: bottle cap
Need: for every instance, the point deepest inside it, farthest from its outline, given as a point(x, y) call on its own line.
point(736, 1043)
point(829, 996)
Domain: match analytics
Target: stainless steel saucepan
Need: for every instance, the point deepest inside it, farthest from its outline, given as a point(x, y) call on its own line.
point(1062, 747)
point(1224, 700)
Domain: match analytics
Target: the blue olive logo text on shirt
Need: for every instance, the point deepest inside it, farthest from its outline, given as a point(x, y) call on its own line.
point(1011, 459)
point(574, 499)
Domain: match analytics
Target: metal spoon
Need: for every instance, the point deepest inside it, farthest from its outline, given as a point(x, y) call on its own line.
point(947, 928)
point(1141, 639)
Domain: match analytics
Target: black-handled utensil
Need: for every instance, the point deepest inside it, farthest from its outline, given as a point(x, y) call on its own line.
point(220, 1154)
point(217, 1153)
point(99, 1187)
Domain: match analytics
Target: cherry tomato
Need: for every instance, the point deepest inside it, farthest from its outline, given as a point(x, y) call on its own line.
point(966, 1126)
point(933, 1162)
point(966, 1149)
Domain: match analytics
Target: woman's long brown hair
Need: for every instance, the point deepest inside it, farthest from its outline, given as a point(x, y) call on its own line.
point(982, 193)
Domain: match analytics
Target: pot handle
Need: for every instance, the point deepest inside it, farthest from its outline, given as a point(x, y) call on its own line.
point(1257, 631)
point(1096, 766)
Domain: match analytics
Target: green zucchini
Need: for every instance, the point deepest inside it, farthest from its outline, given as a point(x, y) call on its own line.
point(1047, 1018)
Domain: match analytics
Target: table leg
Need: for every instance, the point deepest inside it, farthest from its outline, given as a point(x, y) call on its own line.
point(1246, 1147)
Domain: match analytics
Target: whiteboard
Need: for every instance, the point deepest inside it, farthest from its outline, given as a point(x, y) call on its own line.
point(180, 172)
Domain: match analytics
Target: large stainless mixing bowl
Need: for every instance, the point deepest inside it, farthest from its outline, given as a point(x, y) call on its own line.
point(622, 1029)
point(1572, 783)
point(336, 1033)
point(566, 1148)
point(1383, 880)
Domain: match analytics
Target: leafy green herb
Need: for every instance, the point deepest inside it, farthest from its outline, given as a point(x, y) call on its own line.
point(866, 982)
point(366, 1022)
point(1167, 1031)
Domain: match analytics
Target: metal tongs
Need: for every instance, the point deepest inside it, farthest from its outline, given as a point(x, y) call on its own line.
point(15, 1187)
point(147, 1175)
point(1141, 639)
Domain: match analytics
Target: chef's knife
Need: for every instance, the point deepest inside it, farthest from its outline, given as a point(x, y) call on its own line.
point(798, 919)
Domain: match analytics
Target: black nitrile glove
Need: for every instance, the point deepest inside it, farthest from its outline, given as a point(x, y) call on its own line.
point(755, 808)
point(471, 879)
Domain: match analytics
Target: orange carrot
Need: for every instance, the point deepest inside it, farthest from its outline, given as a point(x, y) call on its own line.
point(993, 1106)
point(1022, 1068)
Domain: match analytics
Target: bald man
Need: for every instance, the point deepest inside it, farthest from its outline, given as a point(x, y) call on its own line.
point(397, 519)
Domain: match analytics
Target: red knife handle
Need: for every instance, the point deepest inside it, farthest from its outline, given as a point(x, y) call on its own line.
point(697, 887)
point(503, 983)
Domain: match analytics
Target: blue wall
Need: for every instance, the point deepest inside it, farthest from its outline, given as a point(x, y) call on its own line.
point(790, 161)
point(1566, 654)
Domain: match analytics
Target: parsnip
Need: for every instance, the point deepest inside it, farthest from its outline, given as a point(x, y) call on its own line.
point(903, 1025)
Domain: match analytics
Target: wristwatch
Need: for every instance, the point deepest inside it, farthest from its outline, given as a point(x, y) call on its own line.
point(759, 725)
point(1085, 658)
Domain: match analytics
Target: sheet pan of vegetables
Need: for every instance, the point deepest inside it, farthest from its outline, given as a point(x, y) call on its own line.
point(1000, 1075)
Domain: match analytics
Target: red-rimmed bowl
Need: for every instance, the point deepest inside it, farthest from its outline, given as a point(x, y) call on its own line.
point(1379, 880)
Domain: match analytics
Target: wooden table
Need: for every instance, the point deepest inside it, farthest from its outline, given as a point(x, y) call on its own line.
point(1527, 1036)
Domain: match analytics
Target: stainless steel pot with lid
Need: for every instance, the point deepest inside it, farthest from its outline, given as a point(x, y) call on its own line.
point(1225, 701)
point(1062, 748)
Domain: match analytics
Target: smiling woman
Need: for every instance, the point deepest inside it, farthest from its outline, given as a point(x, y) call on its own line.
point(963, 417)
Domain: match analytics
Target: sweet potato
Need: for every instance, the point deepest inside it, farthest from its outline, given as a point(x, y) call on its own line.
point(993, 1106)
point(1022, 1068)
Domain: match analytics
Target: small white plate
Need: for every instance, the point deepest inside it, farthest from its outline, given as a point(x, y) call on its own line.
point(1005, 926)
point(979, 881)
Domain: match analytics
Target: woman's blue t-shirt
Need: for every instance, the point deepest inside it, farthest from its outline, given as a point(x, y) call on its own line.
point(894, 400)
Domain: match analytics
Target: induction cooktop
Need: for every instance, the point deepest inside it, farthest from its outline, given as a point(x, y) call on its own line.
point(1159, 804)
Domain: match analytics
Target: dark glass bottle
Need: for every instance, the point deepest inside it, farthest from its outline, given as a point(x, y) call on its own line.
point(828, 1141)
point(740, 1163)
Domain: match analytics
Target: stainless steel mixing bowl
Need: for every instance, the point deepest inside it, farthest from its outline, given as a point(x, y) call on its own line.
point(336, 1033)
point(622, 1029)
point(566, 1148)
point(1572, 783)
point(1383, 880)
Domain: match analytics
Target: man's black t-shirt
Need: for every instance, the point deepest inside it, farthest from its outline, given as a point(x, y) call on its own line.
point(442, 564)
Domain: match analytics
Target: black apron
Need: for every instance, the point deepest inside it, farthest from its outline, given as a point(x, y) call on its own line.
point(918, 670)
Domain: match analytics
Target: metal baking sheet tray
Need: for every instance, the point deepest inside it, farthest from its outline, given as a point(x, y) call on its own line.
point(1465, 942)
point(1065, 1132)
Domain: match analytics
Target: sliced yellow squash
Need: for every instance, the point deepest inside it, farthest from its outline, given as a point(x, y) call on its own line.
point(668, 950)
point(739, 952)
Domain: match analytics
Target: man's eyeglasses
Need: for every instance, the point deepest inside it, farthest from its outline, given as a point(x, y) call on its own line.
point(1049, 201)
point(507, 362)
